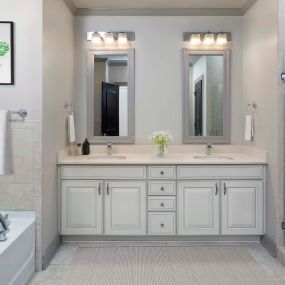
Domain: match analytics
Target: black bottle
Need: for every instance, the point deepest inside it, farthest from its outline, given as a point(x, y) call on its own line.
point(86, 147)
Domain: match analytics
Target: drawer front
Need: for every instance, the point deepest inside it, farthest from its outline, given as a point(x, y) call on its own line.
point(161, 224)
point(161, 203)
point(221, 172)
point(103, 172)
point(161, 188)
point(161, 172)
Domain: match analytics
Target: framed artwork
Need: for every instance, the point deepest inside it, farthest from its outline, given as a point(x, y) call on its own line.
point(6, 53)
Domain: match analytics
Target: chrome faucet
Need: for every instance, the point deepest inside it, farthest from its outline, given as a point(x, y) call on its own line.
point(109, 148)
point(209, 148)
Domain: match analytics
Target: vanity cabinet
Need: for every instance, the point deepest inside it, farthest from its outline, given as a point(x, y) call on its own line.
point(198, 208)
point(182, 200)
point(125, 208)
point(81, 207)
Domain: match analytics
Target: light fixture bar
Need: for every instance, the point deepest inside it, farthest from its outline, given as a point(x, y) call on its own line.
point(130, 35)
point(187, 35)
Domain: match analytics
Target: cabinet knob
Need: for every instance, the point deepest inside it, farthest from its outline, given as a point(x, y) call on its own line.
point(161, 172)
point(162, 188)
point(162, 225)
point(162, 204)
point(225, 189)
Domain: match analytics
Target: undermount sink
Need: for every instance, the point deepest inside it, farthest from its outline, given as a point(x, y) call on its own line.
point(102, 157)
point(213, 157)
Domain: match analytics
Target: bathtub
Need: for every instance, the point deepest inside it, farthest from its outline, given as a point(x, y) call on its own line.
point(17, 253)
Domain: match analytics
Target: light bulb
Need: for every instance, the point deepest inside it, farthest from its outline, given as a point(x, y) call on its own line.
point(222, 39)
point(122, 39)
point(109, 39)
point(96, 38)
point(195, 39)
point(209, 39)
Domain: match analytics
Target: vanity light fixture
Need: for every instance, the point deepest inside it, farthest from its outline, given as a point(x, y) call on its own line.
point(209, 39)
point(109, 39)
point(122, 39)
point(195, 39)
point(97, 39)
point(222, 39)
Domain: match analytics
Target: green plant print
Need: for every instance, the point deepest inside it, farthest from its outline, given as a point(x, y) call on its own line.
point(4, 48)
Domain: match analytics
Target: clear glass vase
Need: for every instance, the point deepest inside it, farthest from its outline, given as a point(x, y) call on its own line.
point(160, 150)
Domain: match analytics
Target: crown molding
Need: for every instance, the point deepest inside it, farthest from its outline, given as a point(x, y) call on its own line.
point(158, 12)
point(71, 6)
point(247, 6)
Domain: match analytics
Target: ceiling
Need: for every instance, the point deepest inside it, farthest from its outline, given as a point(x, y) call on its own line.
point(160, 4)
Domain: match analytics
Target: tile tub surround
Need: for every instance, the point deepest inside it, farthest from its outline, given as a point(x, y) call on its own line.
point(61, 263)
point(22, 190)
point(177, 154)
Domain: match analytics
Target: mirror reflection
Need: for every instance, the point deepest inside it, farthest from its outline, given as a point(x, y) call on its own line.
point(206, 92)
point(110, 95)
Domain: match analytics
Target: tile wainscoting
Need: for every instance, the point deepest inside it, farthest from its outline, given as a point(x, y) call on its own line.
point(22, 190)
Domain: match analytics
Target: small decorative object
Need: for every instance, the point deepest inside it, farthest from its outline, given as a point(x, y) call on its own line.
point(6, 53)
point(86, 147)
point(161, 140)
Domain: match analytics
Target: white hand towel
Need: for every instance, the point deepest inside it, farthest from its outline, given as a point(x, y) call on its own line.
point(4, 143)
point(249, 127)
point(71, 129)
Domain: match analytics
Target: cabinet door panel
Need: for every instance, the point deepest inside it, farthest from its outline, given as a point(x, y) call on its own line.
point(81, 212)
point(242, 207)
point(198, 208)
point(125, 208)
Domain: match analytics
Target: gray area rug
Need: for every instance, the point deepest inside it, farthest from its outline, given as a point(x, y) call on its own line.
point(165, 265)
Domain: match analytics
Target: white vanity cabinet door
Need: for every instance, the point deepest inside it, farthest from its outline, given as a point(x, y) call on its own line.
point(198, 208)
point(81, 207)
point(242, 208)
point(125, 208)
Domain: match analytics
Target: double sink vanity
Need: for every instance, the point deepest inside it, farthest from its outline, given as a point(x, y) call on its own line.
point(185, 193)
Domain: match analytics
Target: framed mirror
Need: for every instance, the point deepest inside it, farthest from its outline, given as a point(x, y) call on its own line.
point(206, 96)
point(111, 96)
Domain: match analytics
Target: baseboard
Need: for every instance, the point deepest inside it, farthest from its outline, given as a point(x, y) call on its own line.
point(269, 245)
point(163, 238)
point(51, 250)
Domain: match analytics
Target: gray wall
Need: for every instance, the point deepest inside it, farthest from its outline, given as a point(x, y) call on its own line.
point(58, 75)
point(260, 83)
point(158, 69)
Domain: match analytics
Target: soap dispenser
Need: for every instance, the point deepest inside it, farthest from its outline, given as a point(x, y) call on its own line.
point(86, 147)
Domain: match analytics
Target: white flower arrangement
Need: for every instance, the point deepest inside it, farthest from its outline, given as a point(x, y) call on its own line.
point(161, 139)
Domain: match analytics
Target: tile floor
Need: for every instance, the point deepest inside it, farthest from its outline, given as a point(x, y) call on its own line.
point(61, 262)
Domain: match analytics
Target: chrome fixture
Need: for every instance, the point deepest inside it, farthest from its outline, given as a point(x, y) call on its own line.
point(109, 148)
point(68, 108)
point(207, 38)
point(209, 148)
point(23, 113)
point(4, 227)
point(111, 38)
point(251, 108)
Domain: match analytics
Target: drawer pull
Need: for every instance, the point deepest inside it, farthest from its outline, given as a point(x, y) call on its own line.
point(162, 188)
point(99, 189)
point(225, 189)
point(161, 172)
point(162, 204)
point(108, 189)
point(162, 225)
point(217, 189)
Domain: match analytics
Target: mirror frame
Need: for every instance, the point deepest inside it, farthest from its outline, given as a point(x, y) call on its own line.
point(186, 138)
point(130, 139)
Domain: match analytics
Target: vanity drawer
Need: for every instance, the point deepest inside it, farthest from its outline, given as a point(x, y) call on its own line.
point(103, 172)
point(220, 172)
point(161, 172)
point(161, 203)
point(161, 224)
point(161, 188)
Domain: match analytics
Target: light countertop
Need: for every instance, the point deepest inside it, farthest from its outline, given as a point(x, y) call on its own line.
point(184, 156)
